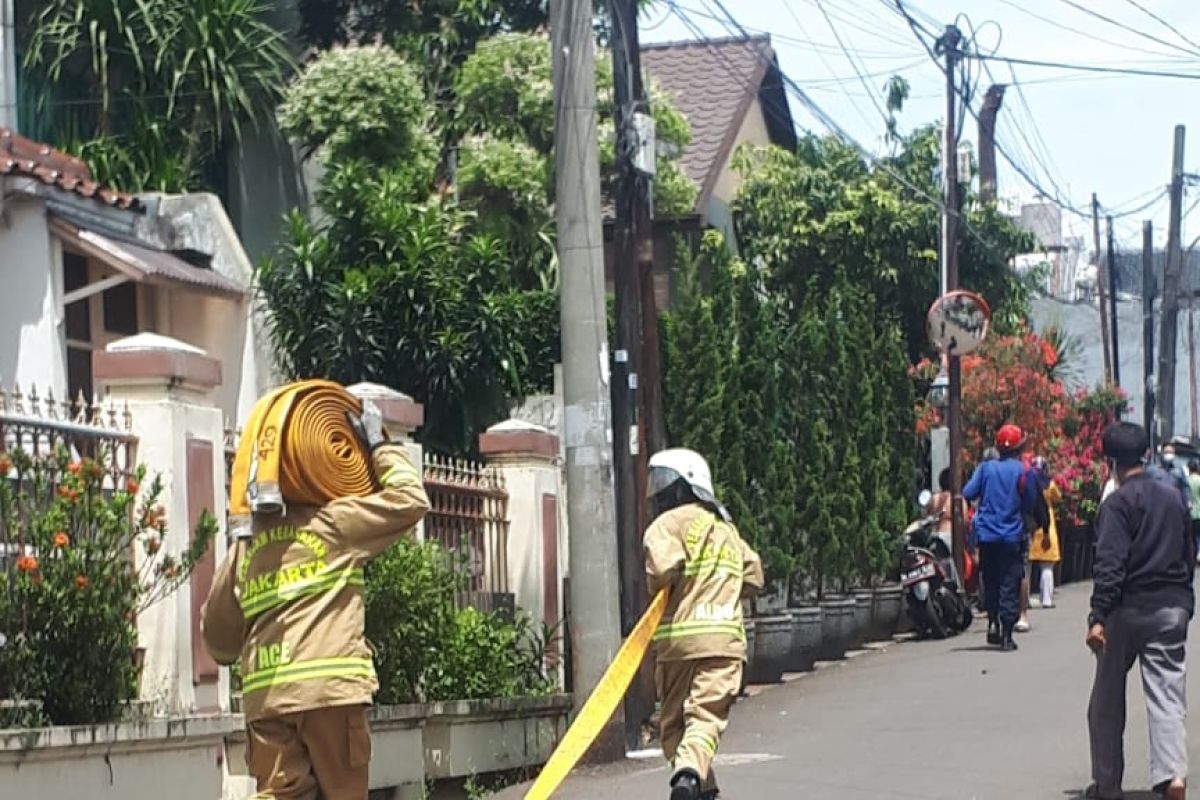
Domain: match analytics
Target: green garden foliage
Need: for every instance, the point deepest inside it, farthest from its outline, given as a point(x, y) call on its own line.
point(83, 559)
point(147, 93)
point(427, 649)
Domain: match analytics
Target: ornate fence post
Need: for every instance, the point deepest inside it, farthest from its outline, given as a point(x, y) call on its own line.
point(168, 387)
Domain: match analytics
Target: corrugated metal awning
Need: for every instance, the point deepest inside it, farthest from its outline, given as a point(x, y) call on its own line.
point(145, 264)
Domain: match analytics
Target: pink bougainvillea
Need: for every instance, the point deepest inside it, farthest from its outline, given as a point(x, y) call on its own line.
point(1016, 379)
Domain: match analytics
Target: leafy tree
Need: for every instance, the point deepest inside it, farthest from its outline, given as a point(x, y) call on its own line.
point(808, 214)
point(403, 293)
point(148, 92)
point(362, 102)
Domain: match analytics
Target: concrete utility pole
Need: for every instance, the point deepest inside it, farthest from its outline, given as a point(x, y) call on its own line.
point(949, 48)
point(1113, 316)
point(1101, 289)
point(987, 141)
point(1168, 329)
point(594, 613)
point(1148, 328)
point(636, 374)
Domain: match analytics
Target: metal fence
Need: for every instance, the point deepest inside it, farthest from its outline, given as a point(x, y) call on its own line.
point(40, 428)
point(468, 516)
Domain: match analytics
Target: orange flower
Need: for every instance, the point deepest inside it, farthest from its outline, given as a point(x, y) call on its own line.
point(81, 581)
point(5, 465)
point(171, 571)
point(61, 539)
point(132, 486)
point(152, 545)
point(73, 468)
point(27, 563)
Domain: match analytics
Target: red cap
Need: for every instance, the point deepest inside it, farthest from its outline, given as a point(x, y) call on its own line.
point(1009, 437)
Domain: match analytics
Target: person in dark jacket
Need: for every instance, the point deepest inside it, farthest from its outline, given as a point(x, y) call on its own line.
point(1005, 494)
point(1142, 601)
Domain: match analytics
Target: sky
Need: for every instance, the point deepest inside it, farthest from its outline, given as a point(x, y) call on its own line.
point(1074, 132)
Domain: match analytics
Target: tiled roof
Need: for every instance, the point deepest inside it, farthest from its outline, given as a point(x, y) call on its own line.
point(147, 264)
point(712, 83)
point(27, 158)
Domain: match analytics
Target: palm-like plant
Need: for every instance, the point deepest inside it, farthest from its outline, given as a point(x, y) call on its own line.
point(151, 88)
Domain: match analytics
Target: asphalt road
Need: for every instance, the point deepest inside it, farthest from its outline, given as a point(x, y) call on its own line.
point(952, 720)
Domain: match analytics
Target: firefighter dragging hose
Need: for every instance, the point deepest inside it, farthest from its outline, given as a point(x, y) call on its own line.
point(698, 570)
point(317, 492)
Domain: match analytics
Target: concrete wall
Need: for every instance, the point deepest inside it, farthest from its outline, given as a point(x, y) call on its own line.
point(30, 301)
point(203, 758)
point(233, 333)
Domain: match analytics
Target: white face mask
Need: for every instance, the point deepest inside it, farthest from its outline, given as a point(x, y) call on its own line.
point(1168, 458)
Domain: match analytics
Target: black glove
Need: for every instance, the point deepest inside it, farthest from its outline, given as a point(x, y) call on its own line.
point(368, 426)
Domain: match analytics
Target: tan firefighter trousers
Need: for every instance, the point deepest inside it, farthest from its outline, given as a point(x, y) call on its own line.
point(294, 756)
point(696, 697)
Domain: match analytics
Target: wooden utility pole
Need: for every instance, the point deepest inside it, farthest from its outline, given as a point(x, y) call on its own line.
point(1113, 316)
point(636, 397)
point(1148, 328)
point(1101, 289)
point(1169, 321)
point(948, 44)
point(594, 618)
point(987, 141)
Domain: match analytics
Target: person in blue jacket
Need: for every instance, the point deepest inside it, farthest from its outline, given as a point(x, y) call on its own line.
point(1004, 492)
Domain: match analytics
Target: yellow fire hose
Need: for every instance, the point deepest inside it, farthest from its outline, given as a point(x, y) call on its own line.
point(299, 447)
point(601, 704)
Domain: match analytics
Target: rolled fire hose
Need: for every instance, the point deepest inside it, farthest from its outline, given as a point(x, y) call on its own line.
point(298, 447)
point(601, 704)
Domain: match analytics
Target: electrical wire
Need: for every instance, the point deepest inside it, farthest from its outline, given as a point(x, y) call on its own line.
point(1128, 29)
point(830, 124)
point(1031, 62)
point(1162, 21)
point(1081, 33)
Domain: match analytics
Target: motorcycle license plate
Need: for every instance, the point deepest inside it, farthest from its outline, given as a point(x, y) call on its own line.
point(920, 573)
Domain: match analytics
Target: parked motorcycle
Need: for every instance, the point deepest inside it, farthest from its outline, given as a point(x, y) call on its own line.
point(930, 581)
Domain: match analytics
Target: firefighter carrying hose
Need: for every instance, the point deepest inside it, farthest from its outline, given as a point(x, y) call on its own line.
point(288, 600)
point(693, 549)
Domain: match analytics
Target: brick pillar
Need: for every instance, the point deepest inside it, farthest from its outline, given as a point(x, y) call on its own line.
point(168, 387)
point(527, 456)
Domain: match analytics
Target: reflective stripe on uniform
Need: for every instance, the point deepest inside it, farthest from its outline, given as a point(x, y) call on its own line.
point(713, 566)
point(314, 669)
point(707, 741)
point(683, 630)
point(326, 580)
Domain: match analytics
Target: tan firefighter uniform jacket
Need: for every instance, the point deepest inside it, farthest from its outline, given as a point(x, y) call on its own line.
point(289, 600)
point(709, 570)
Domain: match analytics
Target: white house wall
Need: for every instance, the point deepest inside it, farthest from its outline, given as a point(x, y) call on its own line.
point(719, 211)
point(32, 350)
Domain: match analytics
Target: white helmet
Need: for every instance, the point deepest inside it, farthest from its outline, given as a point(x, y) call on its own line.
point(669, 466)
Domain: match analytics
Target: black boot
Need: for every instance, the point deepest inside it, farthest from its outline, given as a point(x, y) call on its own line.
point(1008, 644)
point(685, 785)
point(993, 632)
point(711, 794)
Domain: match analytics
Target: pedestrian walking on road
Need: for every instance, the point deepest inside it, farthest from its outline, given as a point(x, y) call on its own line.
point(1194, 486)
point(1044, 552)
point(693, 550)
point(1000, 531)
point(1142, 601)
